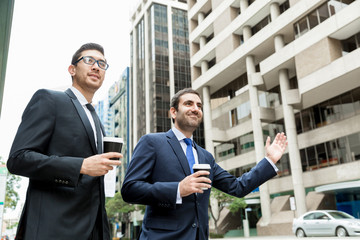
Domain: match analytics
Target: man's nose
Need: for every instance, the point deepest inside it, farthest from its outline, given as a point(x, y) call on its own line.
point(95, 66)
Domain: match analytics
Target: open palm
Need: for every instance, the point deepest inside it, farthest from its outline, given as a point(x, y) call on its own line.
point(276, 149)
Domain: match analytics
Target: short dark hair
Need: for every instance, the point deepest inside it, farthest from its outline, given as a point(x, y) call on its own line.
point(86, 46)
point(176, 98)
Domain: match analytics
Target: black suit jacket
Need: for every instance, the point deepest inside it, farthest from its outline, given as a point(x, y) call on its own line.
point(157, 166)
point(53, 138)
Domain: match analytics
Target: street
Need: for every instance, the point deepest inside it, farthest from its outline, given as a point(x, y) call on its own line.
point(282, 238)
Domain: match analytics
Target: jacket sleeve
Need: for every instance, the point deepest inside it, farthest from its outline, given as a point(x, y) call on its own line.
point(28, 155)
point(138, 186)
point(246, 183)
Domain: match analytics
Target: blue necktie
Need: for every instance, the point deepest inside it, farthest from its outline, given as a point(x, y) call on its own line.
point(189, 153)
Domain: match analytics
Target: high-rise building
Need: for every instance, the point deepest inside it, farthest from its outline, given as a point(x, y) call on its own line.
point(117, 123)
point(160, 64)
point(6, 15)
point(268, 66)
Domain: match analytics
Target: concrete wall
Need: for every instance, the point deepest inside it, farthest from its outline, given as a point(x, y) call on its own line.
point(317, 56)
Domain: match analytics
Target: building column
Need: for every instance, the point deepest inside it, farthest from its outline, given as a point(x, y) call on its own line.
point(244, 4)
point(204, 67)
point(171, 52)
point(202, 41)
point(293, 147)
point(134, 89)
point(201, 17)
point(148, 81)
point(207, 118)
point(258, 139)
point(290, 126)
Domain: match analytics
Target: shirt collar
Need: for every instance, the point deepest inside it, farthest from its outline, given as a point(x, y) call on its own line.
point(79, 96)
point(179, 135)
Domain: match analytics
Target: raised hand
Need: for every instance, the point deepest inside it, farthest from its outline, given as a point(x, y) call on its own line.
point(277, 147)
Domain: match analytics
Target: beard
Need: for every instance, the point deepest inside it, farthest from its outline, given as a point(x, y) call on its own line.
point(188, 123)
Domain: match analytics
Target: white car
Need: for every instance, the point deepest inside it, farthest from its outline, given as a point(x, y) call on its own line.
point(326, 223)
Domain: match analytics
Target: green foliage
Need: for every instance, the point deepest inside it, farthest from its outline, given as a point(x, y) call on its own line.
point(216, 235)
point(116, 207)
point(234, 204)
point(11, 195)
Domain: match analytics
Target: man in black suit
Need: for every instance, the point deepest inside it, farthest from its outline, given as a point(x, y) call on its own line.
point(58, 146)
point(160, 176)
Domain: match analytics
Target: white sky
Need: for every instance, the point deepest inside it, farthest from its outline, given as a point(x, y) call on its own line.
point(44, 36)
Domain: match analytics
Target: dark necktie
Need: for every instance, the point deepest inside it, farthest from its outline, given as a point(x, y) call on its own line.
point(97, 127)
point(189, 153)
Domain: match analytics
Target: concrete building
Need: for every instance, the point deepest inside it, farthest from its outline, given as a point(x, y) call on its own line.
point(117, 122)
point(268, 66)
point(6, 15)
point(159, 65)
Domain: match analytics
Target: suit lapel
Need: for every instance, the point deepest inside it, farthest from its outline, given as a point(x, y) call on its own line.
point(83, 118)
point(175, 145)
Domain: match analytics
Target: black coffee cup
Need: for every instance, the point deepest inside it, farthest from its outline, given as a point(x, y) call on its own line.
point(113, 144)
point(204, 167)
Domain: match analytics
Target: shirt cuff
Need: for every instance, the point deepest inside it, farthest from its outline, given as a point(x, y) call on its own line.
point(178, 198)
point(272, 164)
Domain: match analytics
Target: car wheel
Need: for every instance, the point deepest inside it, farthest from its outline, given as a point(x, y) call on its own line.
point(341, 232)
point(300, 233)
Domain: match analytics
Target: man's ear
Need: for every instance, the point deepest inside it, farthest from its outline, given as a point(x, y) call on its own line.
point(72, 70)
point(173, 112)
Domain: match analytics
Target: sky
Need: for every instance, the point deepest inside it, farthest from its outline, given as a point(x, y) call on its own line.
point(44, 36)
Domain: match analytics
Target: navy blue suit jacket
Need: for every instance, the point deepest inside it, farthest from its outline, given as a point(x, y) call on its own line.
point(157, 166)
point(53, 138)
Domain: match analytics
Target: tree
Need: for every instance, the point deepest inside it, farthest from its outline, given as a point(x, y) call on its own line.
point(118, 210)
point(234, 204)
point(11, 195)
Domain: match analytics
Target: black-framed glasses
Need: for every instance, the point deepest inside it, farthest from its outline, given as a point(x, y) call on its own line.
point(91, 61)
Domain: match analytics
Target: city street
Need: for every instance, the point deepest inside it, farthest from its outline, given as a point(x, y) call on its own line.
point(284, 238)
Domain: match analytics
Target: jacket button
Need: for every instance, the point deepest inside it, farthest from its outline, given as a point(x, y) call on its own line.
point(194, 225)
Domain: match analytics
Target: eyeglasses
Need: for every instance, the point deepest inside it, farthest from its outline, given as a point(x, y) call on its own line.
point(91, 61)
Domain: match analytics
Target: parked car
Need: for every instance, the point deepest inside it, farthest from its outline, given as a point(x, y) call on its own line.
point(326, 223)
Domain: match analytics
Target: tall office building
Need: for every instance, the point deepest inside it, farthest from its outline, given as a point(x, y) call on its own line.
point(117, 123)
point(268, 66)
point(160, 64)
point(6, 15)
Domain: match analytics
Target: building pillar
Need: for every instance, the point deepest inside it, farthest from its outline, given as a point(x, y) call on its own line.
point(134, 89)
point(258, 139)
point(201, 17)
point(202, 41)
point(148, 81)
point(171, 52)
point(293, 147)
point(209, 145)
point(247, 34)
point(204, 67)
point(274, 10)
point(244, 4)
point(290, 126)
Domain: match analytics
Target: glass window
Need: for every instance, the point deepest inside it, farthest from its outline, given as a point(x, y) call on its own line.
point(354, 142)
point(321, 154)
point(311, 155)
point(298, 123)
point(313, 19)
point(323, 12)
point(307, 120)
point(347, 106)
point(304, 161)
point(303, 26)
point(349, 45)
point(344, 156)
point(356, 99)
point(310, 216)
point(331, 150)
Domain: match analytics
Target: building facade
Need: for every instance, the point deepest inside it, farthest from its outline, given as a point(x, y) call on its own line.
point(268, 66)
point(159, 65)
point(117, 122)
point(6, 15)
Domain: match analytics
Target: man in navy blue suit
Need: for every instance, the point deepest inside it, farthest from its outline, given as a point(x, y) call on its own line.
point(159, 175)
